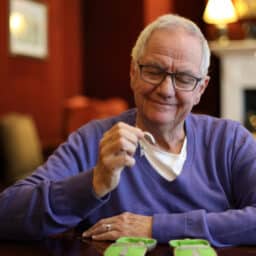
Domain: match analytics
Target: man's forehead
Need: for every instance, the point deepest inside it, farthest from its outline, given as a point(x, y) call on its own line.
point(172, 37)
point(178, 44)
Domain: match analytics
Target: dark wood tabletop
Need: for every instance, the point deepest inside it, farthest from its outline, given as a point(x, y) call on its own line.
point(74, 246)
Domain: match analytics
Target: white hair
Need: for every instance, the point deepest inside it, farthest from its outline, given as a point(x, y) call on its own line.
point(172, 21)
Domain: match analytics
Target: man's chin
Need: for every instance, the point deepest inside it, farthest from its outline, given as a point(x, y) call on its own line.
point(162, 118)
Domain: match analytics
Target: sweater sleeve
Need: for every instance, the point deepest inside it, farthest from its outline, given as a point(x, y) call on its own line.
point(233, 226)
point(57, 196)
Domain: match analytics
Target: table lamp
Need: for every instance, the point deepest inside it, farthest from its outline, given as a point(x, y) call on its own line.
point(220, 13)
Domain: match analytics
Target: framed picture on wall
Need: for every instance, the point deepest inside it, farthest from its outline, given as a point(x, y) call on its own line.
point(28, 28)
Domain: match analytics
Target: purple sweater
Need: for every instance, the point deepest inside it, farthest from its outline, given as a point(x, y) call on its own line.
point(213, 198)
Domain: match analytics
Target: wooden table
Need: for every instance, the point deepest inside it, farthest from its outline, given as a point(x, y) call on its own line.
point(73, 246)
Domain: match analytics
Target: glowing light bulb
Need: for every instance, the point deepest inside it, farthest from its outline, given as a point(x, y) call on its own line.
point(17, 23)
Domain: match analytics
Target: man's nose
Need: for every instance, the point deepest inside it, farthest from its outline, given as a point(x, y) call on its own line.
point(166, 88)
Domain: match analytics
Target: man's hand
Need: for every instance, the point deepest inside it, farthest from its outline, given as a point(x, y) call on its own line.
point(117, 148)
point(125, 224)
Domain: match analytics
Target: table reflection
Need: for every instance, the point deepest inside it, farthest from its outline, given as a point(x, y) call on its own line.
point(73, 245)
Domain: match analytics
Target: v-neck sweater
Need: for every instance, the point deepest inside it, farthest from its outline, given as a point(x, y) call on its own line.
point(214, 197)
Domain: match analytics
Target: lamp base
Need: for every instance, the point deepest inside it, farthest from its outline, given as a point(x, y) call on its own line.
point(222, 33)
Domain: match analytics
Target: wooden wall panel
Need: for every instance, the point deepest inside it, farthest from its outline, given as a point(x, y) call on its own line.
point(4, 95)
point(110, 29)
point(153, 9)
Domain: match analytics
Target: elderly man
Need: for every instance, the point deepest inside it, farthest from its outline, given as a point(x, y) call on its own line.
point(157, 170)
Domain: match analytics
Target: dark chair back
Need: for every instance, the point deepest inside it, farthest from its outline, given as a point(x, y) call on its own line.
point(20, 147)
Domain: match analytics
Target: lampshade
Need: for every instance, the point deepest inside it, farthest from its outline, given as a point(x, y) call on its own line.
point(245, 9)
point(220, 12)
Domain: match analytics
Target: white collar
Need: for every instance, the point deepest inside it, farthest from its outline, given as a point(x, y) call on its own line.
point(167, 164)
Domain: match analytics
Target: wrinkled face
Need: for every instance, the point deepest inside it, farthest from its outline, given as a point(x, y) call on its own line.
point(172, 51)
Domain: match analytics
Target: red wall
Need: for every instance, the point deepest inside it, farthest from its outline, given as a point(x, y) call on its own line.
point(91, 37)
point(39, 87)
point(110, 30)
point(153, 9)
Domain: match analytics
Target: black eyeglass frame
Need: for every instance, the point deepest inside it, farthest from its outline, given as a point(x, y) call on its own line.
point(173, 78)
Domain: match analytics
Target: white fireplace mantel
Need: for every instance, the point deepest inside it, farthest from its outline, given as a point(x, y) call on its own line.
point(238, 72)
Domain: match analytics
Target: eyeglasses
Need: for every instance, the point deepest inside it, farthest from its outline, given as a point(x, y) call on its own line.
point(155, 76)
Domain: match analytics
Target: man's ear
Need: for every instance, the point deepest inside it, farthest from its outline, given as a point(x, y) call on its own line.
point(201, 89)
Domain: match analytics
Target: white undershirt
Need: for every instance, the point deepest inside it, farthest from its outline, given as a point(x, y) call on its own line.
point(168, 165)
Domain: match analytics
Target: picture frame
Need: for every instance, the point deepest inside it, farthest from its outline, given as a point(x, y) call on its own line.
point(28, 35)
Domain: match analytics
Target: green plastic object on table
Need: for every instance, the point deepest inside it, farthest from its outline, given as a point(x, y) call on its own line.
point(130, 246)
point(192, 247)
